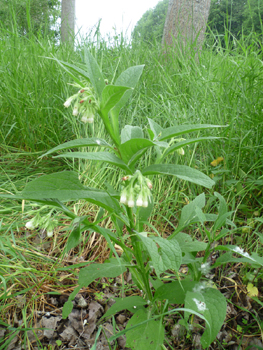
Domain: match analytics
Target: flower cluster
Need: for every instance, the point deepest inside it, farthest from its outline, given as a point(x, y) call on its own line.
point(45, 222)
point(137, 191)
point(85, 104)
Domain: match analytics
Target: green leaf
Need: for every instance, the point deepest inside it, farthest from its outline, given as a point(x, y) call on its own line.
point(188, 213)
point(188, 244)
point(73, 68)
point(212, 304)
point(99, 156)
point(185, 129)
point(93, 141)
point(149, 335)
point(65, 186)
point(67, 308)
point(74, 238)
point(94, 72)
point(108, 269)
point(128, 78)
point(254, 258)
point(181, 171)
point(131, 150)
point(130, 303)
point(131, 132)
point(111, 95)
point(156, 128)
point(181, 144)
point(168, 256)
point(175, 291)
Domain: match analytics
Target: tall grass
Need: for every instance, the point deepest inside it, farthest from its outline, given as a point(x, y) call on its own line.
point(222, 86)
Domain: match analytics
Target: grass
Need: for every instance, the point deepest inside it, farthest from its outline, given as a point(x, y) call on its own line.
point(224, 86)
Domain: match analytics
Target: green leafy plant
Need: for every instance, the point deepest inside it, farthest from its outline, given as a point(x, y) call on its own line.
point(147, 255)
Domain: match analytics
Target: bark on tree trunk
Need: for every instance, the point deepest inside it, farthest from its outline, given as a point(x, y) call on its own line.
point(186, 22)
point(68, 21)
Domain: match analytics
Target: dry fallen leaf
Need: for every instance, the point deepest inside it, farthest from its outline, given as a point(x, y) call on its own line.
point(252, 290)
point(216, 161)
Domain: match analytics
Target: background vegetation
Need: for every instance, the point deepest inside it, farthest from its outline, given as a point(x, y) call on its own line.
point(236, 17)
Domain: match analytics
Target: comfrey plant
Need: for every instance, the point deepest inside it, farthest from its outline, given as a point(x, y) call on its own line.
point(147, 255)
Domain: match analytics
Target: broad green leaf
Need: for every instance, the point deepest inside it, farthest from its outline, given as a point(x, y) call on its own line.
point(94, 72)
point(128, 78)
point(188, 244)
point(65, 186)
point(132, 149)
point(108, 269)
point(130, 303)
point(175, 291)
point(181, 144)
point(149, 335)
point(156, 128)
point(131, 132)
point(73, 238)
point(212, 304)
point(188, 213)
point(93, 141)
point(167, 256)
point(185, 129)
point(181, 171)
point(111, 95)
point(99, 156)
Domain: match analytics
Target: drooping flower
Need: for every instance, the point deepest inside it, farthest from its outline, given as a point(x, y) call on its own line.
point(69, 100)
point(30, 225)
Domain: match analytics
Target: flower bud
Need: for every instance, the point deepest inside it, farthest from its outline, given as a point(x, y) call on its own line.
point(149, 184)
point(30, 225)
point(139, 202)
point(75, 111)
point(180, 151)
point(68, 102)
point(49, 233)
point(123, 198)
point(85, 119)
point(131, 202)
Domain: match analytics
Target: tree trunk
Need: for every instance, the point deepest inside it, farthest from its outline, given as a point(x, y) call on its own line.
point(68, 21)
point(186, 22)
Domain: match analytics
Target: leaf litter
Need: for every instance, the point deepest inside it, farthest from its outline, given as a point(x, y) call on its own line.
point(80, 329)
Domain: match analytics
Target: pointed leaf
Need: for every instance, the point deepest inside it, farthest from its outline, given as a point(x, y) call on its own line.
point(185, 129)
point(65, 186)
point(128, 78)
point(181, 171)
point(99, 156)
point(131, 303)
point(73, 239)
point(94, 72)
point(188, 244)
point(181, 144)
point(108, 269)
point(111, 95)
point(156, 128)
point(130, 132)
point(93, 141)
